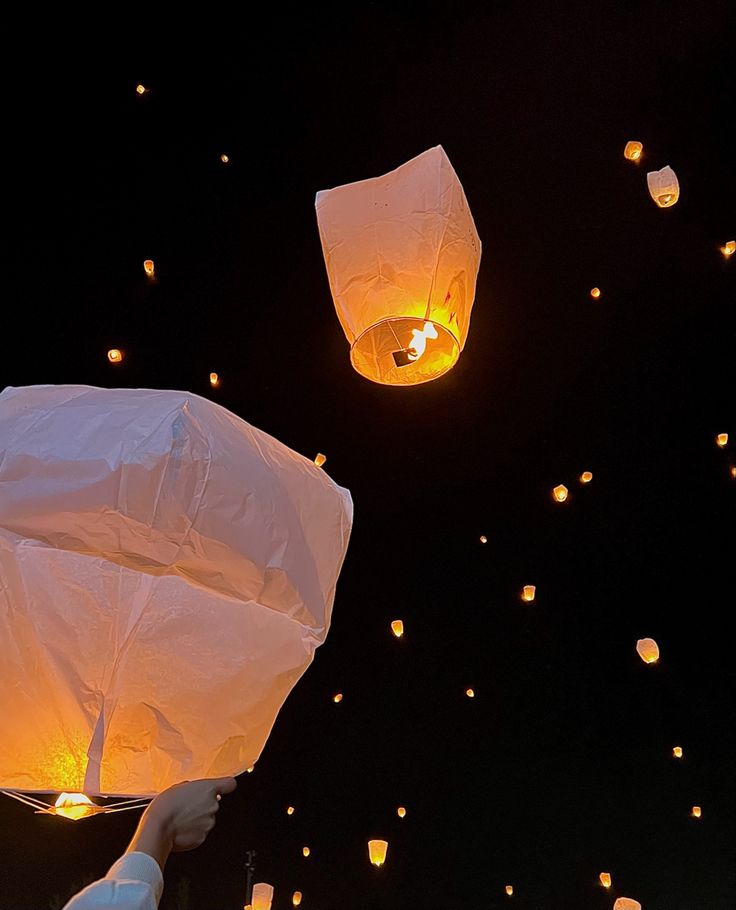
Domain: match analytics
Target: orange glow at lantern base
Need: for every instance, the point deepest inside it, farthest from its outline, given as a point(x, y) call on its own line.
point(375, 353)
point(74, 806)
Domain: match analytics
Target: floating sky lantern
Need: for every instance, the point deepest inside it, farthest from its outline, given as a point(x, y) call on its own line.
point(262, 896)
point(528, 593)
point(722, 440)
point(510, 890)
point(586, 477)
point(149, 268)
point(729, 248)
point(697, 812)
point(664, 187)
point(605, 879)
point(677, 751)
point(140, 89)
point(296, 898)
point(337, 697)
point(595, 293)
point(320, 459)
point(402, 256)
point(483, 538)
point(633, 150)
point(225, 159)
point(214, 638)
point(250, 769)
point(648, 650)
point(397, 627)
point(626, 903)
point(377, 850)
point(732, 471)
point(306, 851)
point(401, 812)
point(115, 355)
point(214, 380)
point(289, 810)
point(470, 693)
point(560, 492)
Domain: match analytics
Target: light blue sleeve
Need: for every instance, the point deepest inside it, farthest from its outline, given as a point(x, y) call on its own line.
point(133, 883)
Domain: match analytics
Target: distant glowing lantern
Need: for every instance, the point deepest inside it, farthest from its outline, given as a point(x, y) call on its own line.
point(401, 812)
point(262, 896)
point(633, 150)
point(677, 751)
point(470, 693)
point(509, 890)
point(605, 879)
point(250, 769)
point(377, 851)
point(306, 851)
point(528, 593)
point(140, 89)
point(664, 187)
point(626, 903)
point(560, 493)
point(402, 256)
point(595, 293)
point(149, 268)
point(296, 898)
point(729, 248)
point(225, 159)
point(337, 698)
point(722, 440)
point(397, 627)
point(483, 538)
point(648, 650)
point(586, 477)
point(114, 355)
point(697, 811)
point(214, 380)
point(289, 810)
point(214, 640)
point(733, 471)
point(320, 459)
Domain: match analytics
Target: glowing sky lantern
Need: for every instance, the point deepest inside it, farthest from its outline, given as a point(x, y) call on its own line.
point(115, 355)
point(470, 693)
point(337, 697)
point(595, 293)
point(664, 187)
point(697, 812)
point(214, 380)
point(626, 903)
point(402, 256)
point(377, 850)
point(586, 477)
point(397, 627)
point(648, 650)
point(509, 890)
point(140, 89)
point(722, 440)
point(296, 898)
point(633, 150)
point(149, 268)
point(166, 620)
point(225, 159)
point(401, 812)
point(559, 493)
point(250, 769)
point(728, 248)
point(605, 879)
point(262, 896)
point(320, 459)
point(483, 538)
point(528, 593)
point(306, 851)
point(677, 751)
point(289, 810)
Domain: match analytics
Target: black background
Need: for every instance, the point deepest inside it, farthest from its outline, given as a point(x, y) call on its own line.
point(561, 766)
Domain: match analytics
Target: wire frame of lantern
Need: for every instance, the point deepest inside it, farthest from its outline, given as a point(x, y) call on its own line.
point(626, 903)
point(115, 355)
point(402, 256)
point(377, 850)
point(397, 627)
point(528, 593)
point(633, 150)
point(722, 440)
point(664, 187)
point(262, 896)
point(648, 650)
point(74, 806)
point(605, 879)
point(296, 898)
point(559, 493)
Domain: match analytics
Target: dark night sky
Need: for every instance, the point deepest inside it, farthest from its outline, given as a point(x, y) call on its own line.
point(561, 766)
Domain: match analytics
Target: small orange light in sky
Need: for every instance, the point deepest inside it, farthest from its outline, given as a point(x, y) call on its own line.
point(528, 593)
point(722, 440)
point(114, 355)
point(595, 293)
point(729, 248)
point(397, 627)
point(677, 751)
point(320, 459)
point(140, 89)
point(586, 477)
point(470, 693)
point(633, 150)
point(605, 879)
point(560, 492)
point(337, 698)
point(149, 268)
point(225, 159)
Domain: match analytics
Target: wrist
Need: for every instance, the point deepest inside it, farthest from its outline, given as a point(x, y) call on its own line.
point(154, 836)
